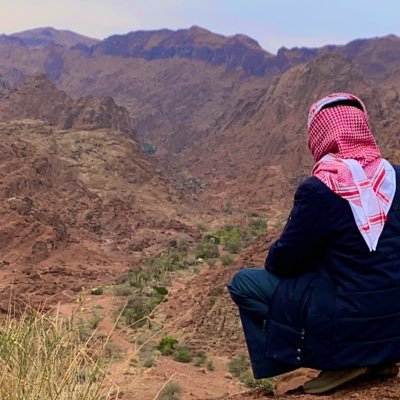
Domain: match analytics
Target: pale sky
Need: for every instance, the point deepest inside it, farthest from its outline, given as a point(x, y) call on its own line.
point(273, 23)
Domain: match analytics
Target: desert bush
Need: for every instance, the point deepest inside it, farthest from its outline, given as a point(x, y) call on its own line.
point(238, 365)
point(160, 290)
point(257, 227)
point(170, 261)
point(42, 357)
point(135, 310)
point(167, 345)
point(199, 359)
point(206, 250)
point(183, 246)
point(228, 207)
point(147, 354)
point(149, 362)
point(226, 260)
point(212, 238)
point(172, 391)
point(95, 320)
point(267, 384)
point(182, 354)
point(232, 237)
point(112, 351)
point(201, 227)
point(97, 291)
point(138, 277)
point(210, 365)
point(123, 291)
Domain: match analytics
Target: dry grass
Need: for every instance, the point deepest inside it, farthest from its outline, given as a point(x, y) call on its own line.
point(41, 357)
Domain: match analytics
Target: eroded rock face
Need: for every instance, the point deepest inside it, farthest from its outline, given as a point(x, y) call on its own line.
point(5, 87)
point(38, 98)
point(196, 43)
point(91, 113)
point(72, 204)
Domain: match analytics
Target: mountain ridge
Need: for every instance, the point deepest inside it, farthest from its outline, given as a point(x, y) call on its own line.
point(43, 36)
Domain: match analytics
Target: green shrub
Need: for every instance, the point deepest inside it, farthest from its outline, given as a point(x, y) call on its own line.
point(149, 362)
point(167, 345)
point(183, 246)
point(258, 227)
point(232, 237)
point(232, 244)
point(97, 291)
point(183, 354)
point(210, 365)
point(122, 291)
point(135, 310)
point(206, 250)
point(226, 260)
point(138, 277)
point(170, 261)
point(209, 237)
point(161, 290)
point(238, 365)
point(95, 320)
point(199, 359)
point(248, 380)
point(112, 351)
point(171, 391)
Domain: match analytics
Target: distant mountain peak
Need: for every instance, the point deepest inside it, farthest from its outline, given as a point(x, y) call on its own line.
point(196, 43)
point(44, 36)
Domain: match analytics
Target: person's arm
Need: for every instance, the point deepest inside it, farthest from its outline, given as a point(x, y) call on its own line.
point(303, 237)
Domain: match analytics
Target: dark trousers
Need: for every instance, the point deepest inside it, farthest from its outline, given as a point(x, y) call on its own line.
point(252, 290)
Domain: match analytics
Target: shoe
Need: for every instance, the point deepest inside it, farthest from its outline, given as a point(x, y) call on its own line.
point(384, 371)
point(328, 380)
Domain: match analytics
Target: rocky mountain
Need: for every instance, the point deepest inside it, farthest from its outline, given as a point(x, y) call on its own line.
point(73, 204)
point(5, 87)
point(38, 98)
point(235, 52)
point(219, 109)
point(45, 36)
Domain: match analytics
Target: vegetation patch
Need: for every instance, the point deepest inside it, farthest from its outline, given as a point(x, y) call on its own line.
point(238, 365)
point(42, 357)
point(167, 345)
point(183, 354)
point(172, 391)
point(226, 260)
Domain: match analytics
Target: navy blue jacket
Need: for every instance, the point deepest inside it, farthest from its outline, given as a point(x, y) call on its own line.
point(338, 304)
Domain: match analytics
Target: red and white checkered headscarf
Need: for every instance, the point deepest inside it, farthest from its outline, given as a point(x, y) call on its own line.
point(349, 162)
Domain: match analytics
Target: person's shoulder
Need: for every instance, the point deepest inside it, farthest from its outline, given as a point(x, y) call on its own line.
point(312, 187)
point(313, 184)
point(396, 167)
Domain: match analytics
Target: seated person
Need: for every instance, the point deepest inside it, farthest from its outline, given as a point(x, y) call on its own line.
point(328, 297)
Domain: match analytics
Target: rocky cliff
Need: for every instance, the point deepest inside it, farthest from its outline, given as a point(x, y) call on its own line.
point(38, 98)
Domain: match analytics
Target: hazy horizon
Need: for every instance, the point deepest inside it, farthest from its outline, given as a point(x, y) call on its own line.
point(274, 24)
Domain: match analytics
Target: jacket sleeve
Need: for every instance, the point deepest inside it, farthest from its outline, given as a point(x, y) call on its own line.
point(303, 237)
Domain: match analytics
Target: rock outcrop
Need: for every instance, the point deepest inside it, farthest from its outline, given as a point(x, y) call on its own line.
point(38, 98)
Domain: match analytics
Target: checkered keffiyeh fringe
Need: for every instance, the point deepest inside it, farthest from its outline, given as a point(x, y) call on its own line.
point(349, 162)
